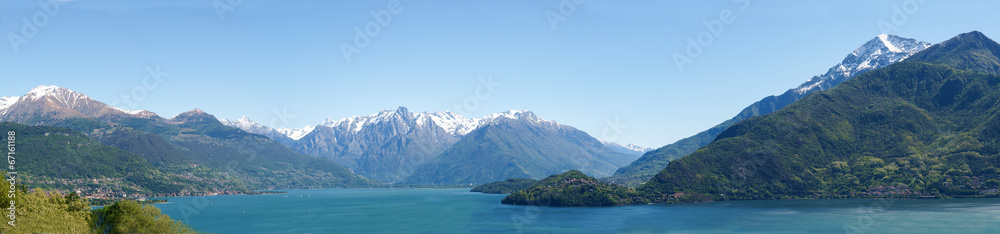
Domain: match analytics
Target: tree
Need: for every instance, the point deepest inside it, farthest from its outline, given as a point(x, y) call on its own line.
point(131, 217)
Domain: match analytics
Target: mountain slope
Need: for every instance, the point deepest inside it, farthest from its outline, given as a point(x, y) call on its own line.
point(193, 144)
point(518, 145)
point(390, 145)
point(877, 53)
point(77, 162)
point(971, 51)
point(387, 146)
point(922, 127)
point(244, 123)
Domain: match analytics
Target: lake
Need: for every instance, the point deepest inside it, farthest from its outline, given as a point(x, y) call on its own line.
point(460, 211)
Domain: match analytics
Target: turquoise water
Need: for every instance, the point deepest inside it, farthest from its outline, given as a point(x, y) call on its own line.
point(460, 211)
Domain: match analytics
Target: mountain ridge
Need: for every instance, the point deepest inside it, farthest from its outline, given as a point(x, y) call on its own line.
point(878, 52)
point(182, 144)
point(921, 128)
point(391, 144)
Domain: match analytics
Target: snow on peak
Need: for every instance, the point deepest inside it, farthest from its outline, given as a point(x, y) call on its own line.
point(46, 90)
point(888, 44)
point(296, 134)
point(637, 148)
point(516, 115)
point(450, 122)
point(73, 99)
point(138, 113)
point(241, 123)
point(253, 127)
point(878, 52)
point(6, 102)
point(64, 95)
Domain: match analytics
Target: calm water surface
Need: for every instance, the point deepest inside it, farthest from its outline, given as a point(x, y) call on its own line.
point(460, 211)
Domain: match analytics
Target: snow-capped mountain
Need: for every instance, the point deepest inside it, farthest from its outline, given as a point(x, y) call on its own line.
point(518, 144)
point(451, 123)
point(296, 134)
point(52, 102)
point(253, 127)
point(877, 53)
point(630, 149)
point(386, 146)
point(6, 102)
point(389, 145)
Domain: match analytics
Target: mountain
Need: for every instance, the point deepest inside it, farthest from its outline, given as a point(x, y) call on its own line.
point(386, 146)
point(282, 136)
point(391, 145)
point(518, 144)
point(194, 144)
point(630, 149)
point(51, 103)
point(877, 53)
point(925, 127)
point(970, 51)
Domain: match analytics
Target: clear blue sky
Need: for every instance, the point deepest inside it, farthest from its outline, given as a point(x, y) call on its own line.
point(607, 60)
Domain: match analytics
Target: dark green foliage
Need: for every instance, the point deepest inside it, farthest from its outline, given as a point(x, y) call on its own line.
point(131, 217)
point(574, 188)
point(970, 51)
point(504, 187)
point(51, 212)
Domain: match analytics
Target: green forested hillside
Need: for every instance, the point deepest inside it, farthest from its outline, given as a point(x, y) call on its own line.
point(197, 144)
point(61, 158)
point(912, 129)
